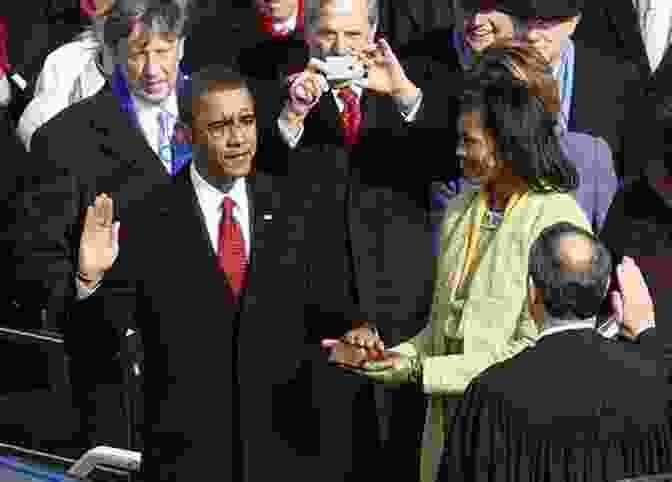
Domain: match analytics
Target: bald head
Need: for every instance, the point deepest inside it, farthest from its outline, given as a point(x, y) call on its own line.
point(575, 253)
point(570, 267)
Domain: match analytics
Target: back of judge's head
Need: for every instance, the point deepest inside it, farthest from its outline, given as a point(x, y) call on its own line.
point(569, 272)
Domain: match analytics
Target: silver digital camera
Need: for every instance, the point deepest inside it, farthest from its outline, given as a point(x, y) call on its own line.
point(343, 69)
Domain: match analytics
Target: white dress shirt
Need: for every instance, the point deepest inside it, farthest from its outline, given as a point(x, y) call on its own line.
point(293, 136)
point(287, 25)
point(655, 21)
point(210, 199)
point(148, 116)
point(69, 74)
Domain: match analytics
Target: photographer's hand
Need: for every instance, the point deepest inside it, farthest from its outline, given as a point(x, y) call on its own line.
point(385, 74)
point(305, 90)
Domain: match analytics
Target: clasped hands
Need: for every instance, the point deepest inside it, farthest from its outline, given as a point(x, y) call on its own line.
point(363, 352)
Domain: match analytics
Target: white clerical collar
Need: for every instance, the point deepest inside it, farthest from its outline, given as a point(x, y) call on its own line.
point(577, 325)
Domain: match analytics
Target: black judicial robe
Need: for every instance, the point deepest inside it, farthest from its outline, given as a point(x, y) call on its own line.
point(574, 408)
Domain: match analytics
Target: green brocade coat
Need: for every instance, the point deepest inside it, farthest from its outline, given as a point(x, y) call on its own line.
point(488, 321)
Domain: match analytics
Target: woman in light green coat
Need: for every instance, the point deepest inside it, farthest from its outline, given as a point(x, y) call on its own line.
point(519, 182)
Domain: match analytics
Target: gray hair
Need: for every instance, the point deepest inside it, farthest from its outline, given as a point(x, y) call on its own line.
point(311, 12)
point(169, 16)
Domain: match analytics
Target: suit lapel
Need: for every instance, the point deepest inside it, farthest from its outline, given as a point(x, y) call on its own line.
point(190, 230)
point(625, 21)
point(118, 136)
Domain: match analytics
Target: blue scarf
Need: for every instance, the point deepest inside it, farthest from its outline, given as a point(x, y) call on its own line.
point(565, 78)
point(460, 45)
point(182, 152)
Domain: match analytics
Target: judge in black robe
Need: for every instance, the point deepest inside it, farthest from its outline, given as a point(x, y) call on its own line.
point(576, 407)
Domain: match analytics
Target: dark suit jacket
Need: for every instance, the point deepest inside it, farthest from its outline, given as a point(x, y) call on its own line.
point(639, 225)
point(400, 22)
point(613, 28)
point(600, 107)
point(570, 408)
point(368, 243)
point(225, 390)
point(386, 200)
point(87, 149)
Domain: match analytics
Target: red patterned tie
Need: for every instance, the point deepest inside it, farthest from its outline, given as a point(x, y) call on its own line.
point(231, 248)
point(4, 55)
point(351, 117)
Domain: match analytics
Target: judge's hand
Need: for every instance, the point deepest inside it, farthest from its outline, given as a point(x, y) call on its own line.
point(99, 242)
point(386, 76)
point(364, 337)
point(634, 301)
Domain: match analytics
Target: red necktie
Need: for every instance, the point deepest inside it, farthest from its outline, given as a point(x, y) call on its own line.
point(231, 248)
point(351, 117)
point(266, 24)
point(4, 55)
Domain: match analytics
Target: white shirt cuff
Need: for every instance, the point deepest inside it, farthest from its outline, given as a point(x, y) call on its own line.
point(83, 292)
point(289, 135)
point(409, 110)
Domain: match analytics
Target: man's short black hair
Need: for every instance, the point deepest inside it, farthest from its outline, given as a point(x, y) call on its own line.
point(212, 77)
point(569, 294)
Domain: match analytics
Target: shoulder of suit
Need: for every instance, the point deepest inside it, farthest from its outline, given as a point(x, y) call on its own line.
point(599, 59)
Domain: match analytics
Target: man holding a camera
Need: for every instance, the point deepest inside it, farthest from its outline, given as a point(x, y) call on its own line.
point(347, 114)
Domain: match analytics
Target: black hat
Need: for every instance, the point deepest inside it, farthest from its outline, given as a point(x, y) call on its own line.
point(540, 8)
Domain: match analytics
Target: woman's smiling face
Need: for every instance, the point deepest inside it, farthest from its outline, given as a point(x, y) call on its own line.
point(482, 28)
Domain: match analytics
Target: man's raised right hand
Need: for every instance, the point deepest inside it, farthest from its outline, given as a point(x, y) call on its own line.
point(99, 244)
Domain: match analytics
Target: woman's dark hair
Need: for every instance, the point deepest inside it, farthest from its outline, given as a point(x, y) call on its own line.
point(525, 132)
point(568, 293)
